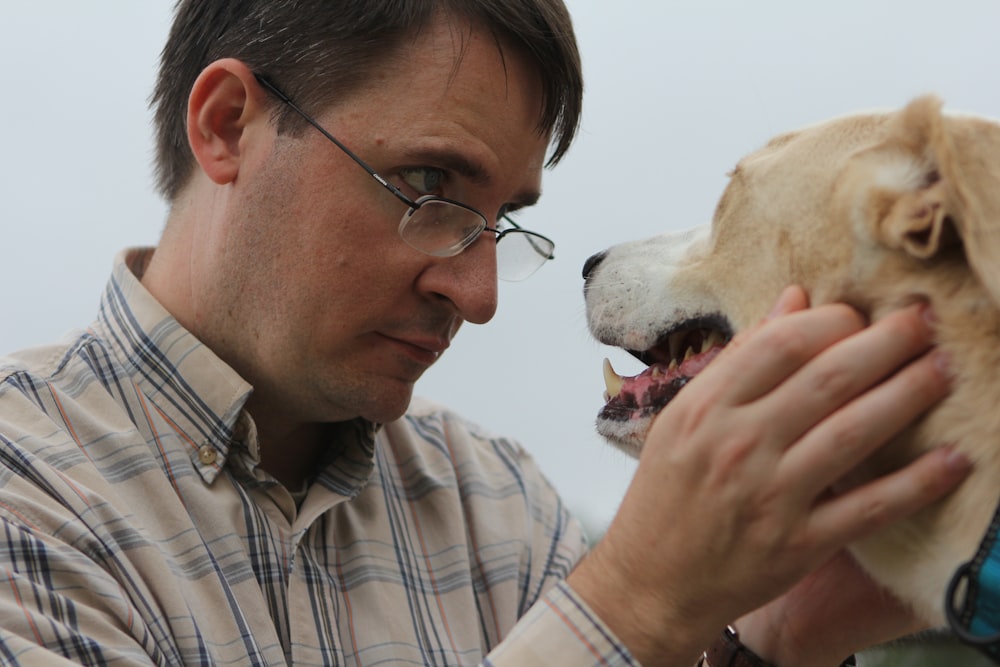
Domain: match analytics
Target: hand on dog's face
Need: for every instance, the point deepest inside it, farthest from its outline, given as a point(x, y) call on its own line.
point(731, 502)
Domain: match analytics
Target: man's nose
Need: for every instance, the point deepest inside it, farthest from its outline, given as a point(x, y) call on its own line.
point(468, 280)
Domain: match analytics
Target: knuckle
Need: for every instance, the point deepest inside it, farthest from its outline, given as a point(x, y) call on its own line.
point(790, 342)
point(875, 512)
point(849, 433)
point(852, 317)
point(738, 462)
point(834, 381)
point(731, 459)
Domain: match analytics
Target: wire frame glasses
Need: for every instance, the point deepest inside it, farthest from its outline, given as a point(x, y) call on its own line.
point(444, 227)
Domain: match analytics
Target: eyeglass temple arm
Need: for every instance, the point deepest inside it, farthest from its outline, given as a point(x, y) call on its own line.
point(309, 119)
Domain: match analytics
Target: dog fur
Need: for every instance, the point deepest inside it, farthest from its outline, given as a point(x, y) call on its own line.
point(875, 210)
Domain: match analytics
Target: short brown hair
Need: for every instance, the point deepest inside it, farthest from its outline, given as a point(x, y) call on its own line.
point(319, 50)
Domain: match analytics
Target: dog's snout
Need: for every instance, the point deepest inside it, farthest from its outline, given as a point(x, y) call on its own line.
point(591, 264)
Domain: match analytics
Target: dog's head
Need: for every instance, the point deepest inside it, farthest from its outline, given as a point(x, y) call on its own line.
point(874, 210)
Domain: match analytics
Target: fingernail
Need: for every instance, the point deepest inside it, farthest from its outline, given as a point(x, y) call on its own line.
point(956, 461)
point(943, 361)
point(928, 313)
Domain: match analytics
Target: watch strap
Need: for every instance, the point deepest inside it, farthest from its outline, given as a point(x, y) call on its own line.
point(728, 651)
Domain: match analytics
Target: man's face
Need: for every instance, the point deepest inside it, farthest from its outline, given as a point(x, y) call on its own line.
point(314, 298)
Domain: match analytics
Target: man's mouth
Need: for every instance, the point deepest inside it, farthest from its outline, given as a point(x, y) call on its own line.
point(632, 402)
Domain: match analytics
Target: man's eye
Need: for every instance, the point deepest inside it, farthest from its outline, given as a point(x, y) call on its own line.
point(424, 180)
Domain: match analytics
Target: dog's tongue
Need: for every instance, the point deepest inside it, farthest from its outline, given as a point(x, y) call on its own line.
point(648, 392)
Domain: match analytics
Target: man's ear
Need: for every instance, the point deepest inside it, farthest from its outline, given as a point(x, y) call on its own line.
point(224, 100)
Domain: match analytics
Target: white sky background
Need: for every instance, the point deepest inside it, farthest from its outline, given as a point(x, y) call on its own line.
point(676, 93)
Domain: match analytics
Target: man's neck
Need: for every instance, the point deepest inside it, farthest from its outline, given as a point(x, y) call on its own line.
point(295, 455)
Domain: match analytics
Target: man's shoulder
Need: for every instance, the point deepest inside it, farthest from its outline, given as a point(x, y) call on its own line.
point(434, 420)
point(56, 393)
point(54, 363)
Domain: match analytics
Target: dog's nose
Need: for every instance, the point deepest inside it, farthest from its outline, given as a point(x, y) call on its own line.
point(591, 264)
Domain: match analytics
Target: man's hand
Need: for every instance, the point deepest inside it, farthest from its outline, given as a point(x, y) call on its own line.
point(730, 505)
point(833, 612)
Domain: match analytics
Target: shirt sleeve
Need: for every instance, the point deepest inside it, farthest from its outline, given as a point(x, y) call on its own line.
point(59, 607)
point(560, 630)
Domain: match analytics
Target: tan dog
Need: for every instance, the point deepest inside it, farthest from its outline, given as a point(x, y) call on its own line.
point(872, 210)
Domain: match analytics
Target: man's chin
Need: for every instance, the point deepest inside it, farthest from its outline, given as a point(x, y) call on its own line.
point(388, 406)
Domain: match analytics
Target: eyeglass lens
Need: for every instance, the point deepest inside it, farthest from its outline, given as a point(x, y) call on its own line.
point(520, 254)
point(444, 229)
point(439, 228)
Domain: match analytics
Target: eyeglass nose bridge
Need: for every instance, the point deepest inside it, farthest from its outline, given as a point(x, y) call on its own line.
point(423, 228)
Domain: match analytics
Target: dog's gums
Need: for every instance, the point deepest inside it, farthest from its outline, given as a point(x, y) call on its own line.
point(637, 399)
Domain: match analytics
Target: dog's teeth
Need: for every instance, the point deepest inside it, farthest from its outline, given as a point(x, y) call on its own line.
point(672, 366)
point(706, 342)
point(657, 371)
point(715, 338)
point(612, 381)
point(689, 353)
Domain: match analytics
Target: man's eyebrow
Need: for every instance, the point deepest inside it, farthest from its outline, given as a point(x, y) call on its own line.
point(468, 169)
point(526, 199)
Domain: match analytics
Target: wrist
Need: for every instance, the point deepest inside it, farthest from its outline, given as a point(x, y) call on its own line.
point(642, 622)
point(783, 643)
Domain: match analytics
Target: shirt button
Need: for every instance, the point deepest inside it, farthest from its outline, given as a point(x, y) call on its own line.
point(207, 454)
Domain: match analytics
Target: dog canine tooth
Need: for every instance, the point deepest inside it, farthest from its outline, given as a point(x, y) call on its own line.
point(672, 366)
point(689, 353)
point(612, 381)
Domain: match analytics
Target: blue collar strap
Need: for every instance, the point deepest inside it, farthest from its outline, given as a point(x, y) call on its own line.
point(972, 603)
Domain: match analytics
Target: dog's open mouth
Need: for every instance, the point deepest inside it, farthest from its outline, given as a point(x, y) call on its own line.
point(679, 355)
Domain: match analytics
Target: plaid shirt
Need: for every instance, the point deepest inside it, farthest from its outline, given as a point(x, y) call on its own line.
point(139, 528)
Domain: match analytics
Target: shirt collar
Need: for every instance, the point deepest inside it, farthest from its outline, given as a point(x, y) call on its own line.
point(186, 382)
point(200, 394)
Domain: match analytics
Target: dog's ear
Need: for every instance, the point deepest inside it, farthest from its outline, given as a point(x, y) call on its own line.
point(971, 168)
point(949, 168)
point(917, 222)
point(912, 214)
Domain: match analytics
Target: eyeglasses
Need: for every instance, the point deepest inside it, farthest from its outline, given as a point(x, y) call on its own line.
point(444, 227)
